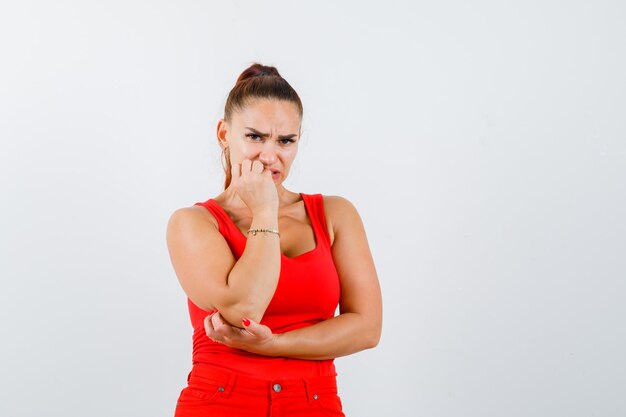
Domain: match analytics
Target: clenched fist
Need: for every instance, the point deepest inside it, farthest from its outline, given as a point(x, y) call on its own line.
point(254, 185)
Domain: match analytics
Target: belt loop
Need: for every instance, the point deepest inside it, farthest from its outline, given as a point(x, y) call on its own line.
point(230, 384)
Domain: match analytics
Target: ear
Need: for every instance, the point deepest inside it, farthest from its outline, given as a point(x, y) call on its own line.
point(222, 129)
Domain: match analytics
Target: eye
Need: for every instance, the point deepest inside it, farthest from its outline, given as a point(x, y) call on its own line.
point(287, 141)
point(252, 136)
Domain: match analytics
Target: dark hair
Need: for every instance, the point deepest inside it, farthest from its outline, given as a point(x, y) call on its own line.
point(255, 82)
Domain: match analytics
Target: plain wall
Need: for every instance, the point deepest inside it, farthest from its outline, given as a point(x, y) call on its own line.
point(482, 142)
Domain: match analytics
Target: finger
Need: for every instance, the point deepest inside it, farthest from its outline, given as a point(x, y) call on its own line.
point(267, 173)
point(217, 322)
point(208, 325)
point(207, 319)
point(257, 167)
point(235, 171)
point(246, 166)
point(223, 328)
point(252, 327)
point(216, 329)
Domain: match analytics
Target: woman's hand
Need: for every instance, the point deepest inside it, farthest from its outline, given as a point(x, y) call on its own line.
point(254, 185)
point(254, 337)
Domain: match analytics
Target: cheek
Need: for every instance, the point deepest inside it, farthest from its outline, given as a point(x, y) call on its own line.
point(289, 155)
point(241, 151)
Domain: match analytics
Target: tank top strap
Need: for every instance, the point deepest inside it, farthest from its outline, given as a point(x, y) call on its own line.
point(226, 227)
point(220, 216)
point(315, 208)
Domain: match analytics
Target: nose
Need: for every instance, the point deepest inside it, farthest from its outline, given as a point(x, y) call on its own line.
point(268, 154)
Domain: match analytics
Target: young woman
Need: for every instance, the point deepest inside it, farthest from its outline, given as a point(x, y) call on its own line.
point(265, 268)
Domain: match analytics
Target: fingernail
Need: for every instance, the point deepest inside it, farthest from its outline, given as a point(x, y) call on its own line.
point(245, 322)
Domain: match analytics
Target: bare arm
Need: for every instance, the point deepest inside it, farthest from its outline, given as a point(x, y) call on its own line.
point(359, 324)
point(209, 273)
point(205, 265)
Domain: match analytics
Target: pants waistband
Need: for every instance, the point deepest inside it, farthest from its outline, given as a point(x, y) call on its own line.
point(206, 376)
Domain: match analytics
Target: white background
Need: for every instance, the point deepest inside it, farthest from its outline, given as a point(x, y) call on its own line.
point(482, 142)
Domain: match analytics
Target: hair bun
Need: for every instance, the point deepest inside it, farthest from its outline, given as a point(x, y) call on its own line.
point(257, 69)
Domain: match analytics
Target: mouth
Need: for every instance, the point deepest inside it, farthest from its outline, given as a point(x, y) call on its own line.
point(275, 173)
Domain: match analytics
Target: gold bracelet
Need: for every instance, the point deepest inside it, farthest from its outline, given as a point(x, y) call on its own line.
point(255, 231)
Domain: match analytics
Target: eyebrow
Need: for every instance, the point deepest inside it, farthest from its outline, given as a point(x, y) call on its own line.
point(267, 134)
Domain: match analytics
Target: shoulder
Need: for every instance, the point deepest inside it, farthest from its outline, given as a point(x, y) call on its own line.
point(338, 205)
point(193, 217)
point(339, 211)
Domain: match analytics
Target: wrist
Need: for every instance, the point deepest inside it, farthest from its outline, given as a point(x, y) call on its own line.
point(268, 347)
point(273, 348)
point(265, 219)
point(265, 212)
point(253, 232)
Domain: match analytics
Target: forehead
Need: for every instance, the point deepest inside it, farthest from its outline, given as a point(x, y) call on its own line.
point(269, 115)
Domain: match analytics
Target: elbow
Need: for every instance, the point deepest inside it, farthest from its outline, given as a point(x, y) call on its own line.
point(252, 310)
point(235, 314)
point(372, 341)
point(373, 336)
point(251, 315)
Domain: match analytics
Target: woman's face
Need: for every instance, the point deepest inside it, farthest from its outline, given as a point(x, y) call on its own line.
point(267, 131)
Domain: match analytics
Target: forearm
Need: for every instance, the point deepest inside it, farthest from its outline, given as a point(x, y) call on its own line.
point(252, 281)
point(339, 336)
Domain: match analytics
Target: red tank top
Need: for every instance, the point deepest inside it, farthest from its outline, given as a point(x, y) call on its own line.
point(307, 293)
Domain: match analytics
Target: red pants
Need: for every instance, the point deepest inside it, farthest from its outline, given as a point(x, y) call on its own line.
point(213, 391)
